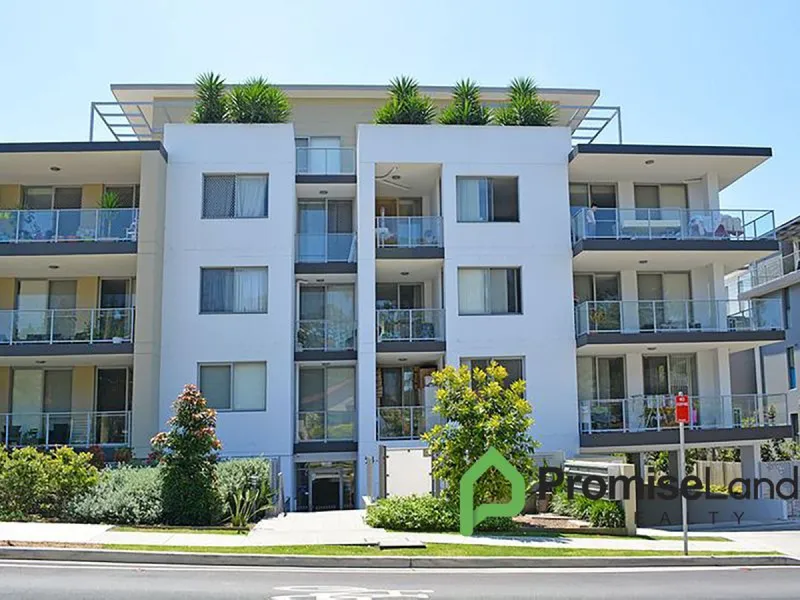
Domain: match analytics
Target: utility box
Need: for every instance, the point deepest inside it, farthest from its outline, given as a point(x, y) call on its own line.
point(405, 471)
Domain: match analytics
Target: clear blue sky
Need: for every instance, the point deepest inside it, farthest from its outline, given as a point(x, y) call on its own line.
point(683, 71)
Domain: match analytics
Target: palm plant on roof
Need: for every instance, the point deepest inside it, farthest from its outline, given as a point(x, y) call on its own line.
point(466, 107)
point(525, 107)
point(209, 106)
point(257, 101)
point(406, 105)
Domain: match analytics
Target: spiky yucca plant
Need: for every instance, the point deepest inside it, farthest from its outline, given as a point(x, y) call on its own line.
point(406, 105)
point(257, 101)
point(525, 107)
point(466, 107)
point(209, 105)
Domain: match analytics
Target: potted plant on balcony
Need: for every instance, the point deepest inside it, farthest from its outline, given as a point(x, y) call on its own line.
point(109, 202)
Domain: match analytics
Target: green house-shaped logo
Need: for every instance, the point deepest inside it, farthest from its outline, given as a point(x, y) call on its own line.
point(471, 517)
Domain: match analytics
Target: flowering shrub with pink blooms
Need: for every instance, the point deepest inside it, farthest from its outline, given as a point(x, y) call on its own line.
point(188, 453)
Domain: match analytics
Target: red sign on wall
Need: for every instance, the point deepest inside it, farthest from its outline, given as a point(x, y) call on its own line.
point(682, 408)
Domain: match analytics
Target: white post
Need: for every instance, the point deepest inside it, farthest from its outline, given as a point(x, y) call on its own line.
point(681, 475)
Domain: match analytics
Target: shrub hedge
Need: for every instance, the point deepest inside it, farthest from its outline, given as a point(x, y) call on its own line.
point(424, 513)
point(600, 513)
point(123, 496)
point(37, 484)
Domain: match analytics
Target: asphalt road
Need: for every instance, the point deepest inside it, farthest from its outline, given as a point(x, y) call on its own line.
point(46, 581)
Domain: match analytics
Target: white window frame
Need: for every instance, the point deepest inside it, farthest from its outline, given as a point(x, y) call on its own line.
point(232, 391)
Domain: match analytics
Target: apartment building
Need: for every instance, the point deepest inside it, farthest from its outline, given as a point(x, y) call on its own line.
point(310, 276)
point(772, 369)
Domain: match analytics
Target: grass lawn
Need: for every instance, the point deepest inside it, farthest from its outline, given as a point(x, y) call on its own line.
point(431, 550)
point(154, 529)
point(552, 534)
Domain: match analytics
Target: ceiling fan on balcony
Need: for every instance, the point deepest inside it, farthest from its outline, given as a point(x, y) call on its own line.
point(392, 178)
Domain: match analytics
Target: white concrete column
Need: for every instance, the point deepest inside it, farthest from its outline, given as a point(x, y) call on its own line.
point(759, 376)
point(711, 185)
point(629, 292)
point(724, 378)
point(634, 375)
point(720, 294)
point(366, 401)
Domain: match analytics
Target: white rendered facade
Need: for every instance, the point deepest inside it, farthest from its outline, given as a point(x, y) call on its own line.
point(312, 321)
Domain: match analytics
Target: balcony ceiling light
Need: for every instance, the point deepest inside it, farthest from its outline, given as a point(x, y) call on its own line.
point(323, 192)
point(55, 169)
point(402, 359)
point(651, 348)
point(404, 273)
point(643, 262)
point(395, 177)
point(40, 362)
point(54, 267)
point(649, 161)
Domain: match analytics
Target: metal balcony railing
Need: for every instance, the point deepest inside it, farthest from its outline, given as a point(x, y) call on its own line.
point(657, 316)
point(69, 225)
point(75, 325)
point(74, 428)
point(671, 224)
point(326, 248)
point(325, 161)
point(324, 426)
point(410, 324)
point(657, 413)
point(408, 232)
point(326, 335)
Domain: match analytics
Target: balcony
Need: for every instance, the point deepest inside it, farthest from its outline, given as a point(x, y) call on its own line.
point(401, 422)
point(643, 229)
point(66, 331)
point(409, 237)
point(80, 429)
point(770, 274)
point(68, 231)
point(318, 339)
point(336, 165)
point(326, 426)
point(325, 252)
point(410, 329)
point(650, 321)
point(651, 420)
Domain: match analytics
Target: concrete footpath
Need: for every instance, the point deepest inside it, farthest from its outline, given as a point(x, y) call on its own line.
point(348, 528)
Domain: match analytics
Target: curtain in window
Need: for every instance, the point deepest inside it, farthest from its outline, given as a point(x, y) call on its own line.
point(250, 290)
point(215, 385)
point(251, 196)
point(249, 386)
point(216, 294)
point(587, 389)
point(499, 283)
point(471, 291)
point(472, 194)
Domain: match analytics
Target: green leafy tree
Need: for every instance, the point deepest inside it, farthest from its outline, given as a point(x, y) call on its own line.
point(466, 107)
point(778, 449)
point(406, 104)
point(189, 452)
point(525, 107)
point(479, 412)
point(257, 101)
point(209, 105)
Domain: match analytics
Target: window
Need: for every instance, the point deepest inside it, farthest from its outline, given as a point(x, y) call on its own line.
point(792, 370)
point(127, 195)
point(483, 199)
point(47, 198)
point(660, 196)
point(236, 386)
point(234, 196)
point(489, 291)
point(601, 378)
point(514, 366)
point(394, 296)
point(326, 404)
point(584, 195)
point(237, 290)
